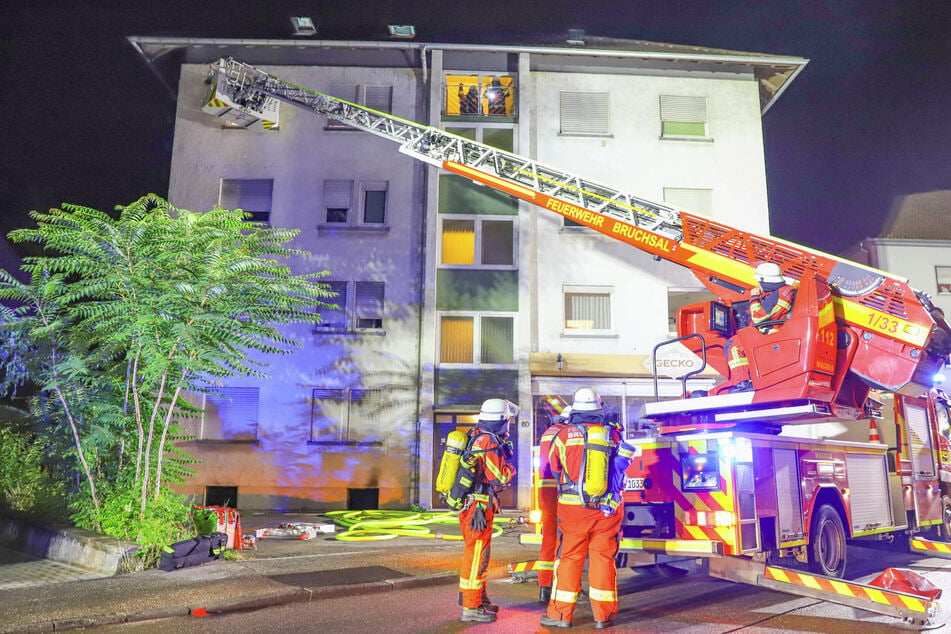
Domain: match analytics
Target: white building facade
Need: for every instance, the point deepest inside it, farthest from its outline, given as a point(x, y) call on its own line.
point(451, 293)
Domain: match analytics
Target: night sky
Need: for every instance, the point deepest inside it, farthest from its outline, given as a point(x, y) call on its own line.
point(86, 121)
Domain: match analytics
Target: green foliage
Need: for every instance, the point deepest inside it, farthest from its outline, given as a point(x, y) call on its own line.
point(122, 317)
point(167, 520)
point(25, 483)
point(205, 520)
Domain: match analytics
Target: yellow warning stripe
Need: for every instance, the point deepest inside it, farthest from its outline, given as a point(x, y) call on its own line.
point(923, 544)
point(854, 590)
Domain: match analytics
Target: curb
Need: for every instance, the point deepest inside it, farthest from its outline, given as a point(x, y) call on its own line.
point(294, 595)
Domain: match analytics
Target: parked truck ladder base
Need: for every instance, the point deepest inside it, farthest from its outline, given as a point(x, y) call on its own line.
point(913, 608)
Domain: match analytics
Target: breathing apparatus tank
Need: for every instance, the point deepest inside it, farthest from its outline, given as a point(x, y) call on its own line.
point(597, 454)
point(449, 466)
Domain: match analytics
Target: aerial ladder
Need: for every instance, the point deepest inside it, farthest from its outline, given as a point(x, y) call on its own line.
point(852, 328)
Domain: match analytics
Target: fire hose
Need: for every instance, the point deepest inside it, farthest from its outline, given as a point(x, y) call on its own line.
point(380, 525)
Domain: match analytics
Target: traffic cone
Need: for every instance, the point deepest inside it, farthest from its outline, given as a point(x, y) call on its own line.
point(873, 432)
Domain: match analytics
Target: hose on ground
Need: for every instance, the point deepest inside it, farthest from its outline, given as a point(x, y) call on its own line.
point(375, 525)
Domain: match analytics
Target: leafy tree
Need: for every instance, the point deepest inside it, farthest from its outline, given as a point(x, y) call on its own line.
point(123, 316)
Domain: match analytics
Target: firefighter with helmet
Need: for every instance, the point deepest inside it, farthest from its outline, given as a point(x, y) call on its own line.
point(489, 454)
point(586, 532)
point(772, 301)
point(547, 487)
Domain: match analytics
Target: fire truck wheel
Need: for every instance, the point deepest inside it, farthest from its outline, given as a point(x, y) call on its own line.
point(827, 543)
point(946, 518)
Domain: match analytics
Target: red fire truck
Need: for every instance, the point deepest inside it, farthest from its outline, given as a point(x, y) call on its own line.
point(734, 477)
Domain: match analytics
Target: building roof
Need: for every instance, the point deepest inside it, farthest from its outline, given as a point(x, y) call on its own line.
point(922, 216)
point(773, 73)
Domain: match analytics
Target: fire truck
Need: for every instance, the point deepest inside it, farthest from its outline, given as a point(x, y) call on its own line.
point(723, 475)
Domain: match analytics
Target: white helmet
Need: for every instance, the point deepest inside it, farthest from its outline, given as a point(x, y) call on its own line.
point(496, 409)
point(586, 400)
point(769, 272)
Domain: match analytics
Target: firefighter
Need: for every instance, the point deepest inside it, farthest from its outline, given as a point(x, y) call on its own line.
point(548, 505)
point(586, 532)
point(490, 452)
point(772, 301)
point(495, 94)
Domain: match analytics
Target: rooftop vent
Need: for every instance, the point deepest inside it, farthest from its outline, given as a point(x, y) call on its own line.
point(303, 26)
point(576, 37)
point(402, 31)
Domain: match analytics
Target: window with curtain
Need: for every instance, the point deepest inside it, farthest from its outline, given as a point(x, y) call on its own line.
point(683, 116)
point(483, 242)
point(588, 309)
point(585, 113)
point(250, 194)
point(477, 339)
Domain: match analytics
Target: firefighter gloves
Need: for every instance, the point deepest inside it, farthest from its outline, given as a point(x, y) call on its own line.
point(478, 523)
point(508, 449)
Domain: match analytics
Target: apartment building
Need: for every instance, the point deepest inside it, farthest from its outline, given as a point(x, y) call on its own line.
point(450, 292)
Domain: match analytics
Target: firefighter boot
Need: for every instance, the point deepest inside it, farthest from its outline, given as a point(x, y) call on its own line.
point(477, 615)
point(487, 604)
point(544, 594)
point(603, 625)
point(547, 621)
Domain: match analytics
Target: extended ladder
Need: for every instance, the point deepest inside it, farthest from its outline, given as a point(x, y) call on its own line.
point(722, 258)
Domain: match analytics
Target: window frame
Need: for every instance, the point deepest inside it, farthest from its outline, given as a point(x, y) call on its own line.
point(478, 221)
point(356, 211)
point(450, 95)
point(582, 289)
point(942, 279)
point(221, 395)
point(676, 109)
point(590, 129)
point(344, 416)
point(242, 199)
point(351, 310)
point(476, 317)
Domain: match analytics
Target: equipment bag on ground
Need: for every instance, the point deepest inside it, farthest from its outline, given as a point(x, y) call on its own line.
point(193, 552)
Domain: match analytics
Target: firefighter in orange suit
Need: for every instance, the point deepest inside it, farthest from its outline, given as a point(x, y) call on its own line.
point(548, 505)
point(772, 301)
point(490, 451)
point(585, 532)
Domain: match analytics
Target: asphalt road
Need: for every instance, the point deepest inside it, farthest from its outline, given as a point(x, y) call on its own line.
point(649, 603)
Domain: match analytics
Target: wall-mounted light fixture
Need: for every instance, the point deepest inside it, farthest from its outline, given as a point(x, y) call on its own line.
point(560, 362)
point(402, 31)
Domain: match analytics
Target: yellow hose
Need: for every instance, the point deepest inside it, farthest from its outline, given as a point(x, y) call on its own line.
point(379, 525)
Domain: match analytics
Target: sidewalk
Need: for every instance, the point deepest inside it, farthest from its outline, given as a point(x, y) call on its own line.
point(278, 571)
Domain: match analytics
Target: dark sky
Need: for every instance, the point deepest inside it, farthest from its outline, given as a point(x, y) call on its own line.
point(86, 122)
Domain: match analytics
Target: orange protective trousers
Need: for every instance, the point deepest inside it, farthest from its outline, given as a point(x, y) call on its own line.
point(475, 557)
point(548, 505)
point(586, 533)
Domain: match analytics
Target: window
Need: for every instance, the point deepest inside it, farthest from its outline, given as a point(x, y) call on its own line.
point(481, 95)
point(338, 204)
point(374, 203)
point(588, 310)
point(338, 199)
point(943, 279)
point(585, 113)
point(374, 97)
point(683, 116)
point(349, 416)
point(477, 339)
point(677, 298)
point(250, 194)
point(485, 242)
point(699, 201)
point(230, 413)
point(359, 308)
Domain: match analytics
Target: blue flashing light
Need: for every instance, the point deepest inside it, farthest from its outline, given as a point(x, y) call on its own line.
point(938, 379)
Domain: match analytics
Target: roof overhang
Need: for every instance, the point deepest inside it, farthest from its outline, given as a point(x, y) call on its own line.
point(773, 73)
